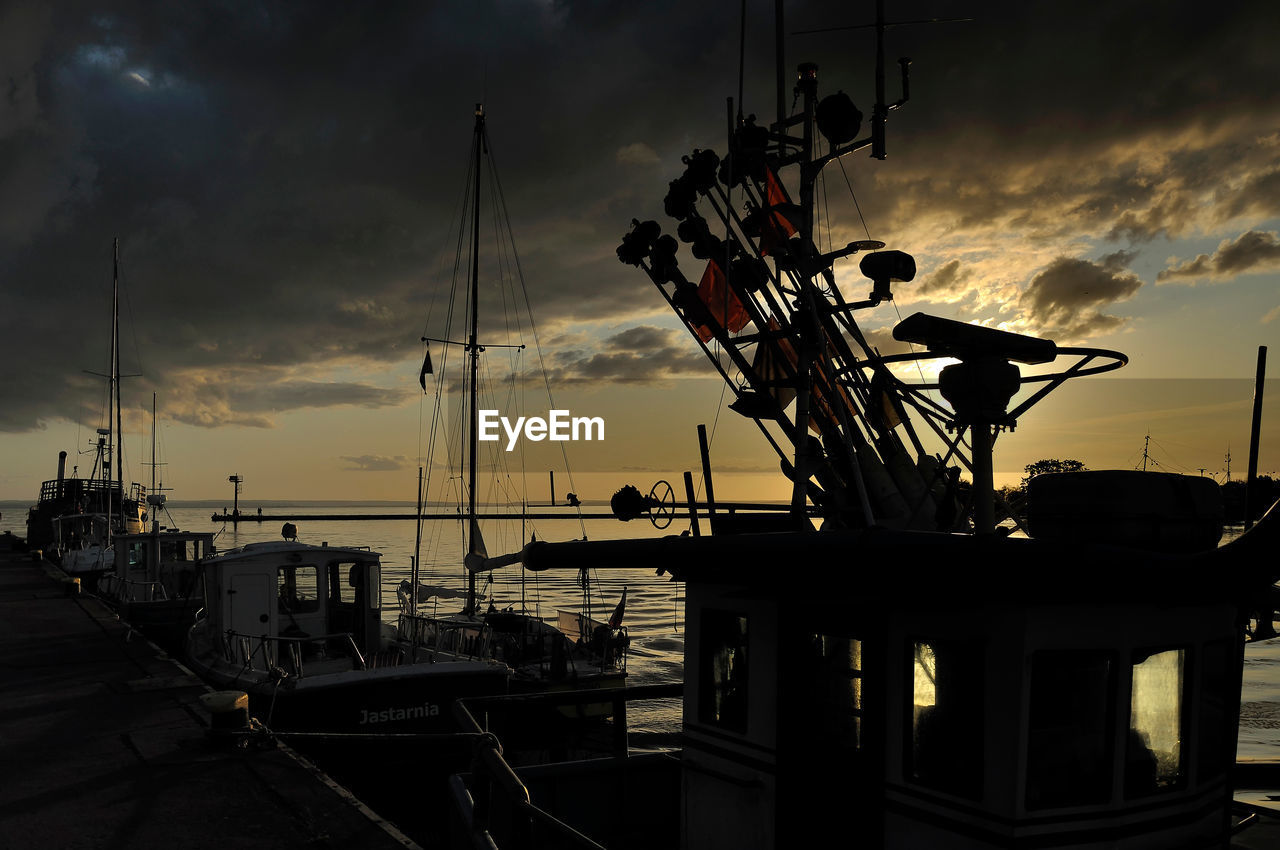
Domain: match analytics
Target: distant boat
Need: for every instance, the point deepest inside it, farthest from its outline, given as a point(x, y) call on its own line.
point(155, 582)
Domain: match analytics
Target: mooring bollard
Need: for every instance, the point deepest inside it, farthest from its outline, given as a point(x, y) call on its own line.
point(228, 711)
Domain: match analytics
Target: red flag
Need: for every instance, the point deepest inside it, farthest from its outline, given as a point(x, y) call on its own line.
point(777, 197)
point(724, 304)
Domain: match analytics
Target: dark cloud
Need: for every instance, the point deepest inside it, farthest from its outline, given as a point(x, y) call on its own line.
point(284, 178)
point(639, 355)
point(948, 280)
point(881, 340)
point(1260, 195)
point(374, 463)
point(1066, 299)
point(1251, 252)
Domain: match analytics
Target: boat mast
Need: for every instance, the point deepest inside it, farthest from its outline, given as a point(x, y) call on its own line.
point(113, 393)
point(153, 443)
point(474, 349)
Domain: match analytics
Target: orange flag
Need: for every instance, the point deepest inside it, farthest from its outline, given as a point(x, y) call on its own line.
point(724, 304)
point(777, 197)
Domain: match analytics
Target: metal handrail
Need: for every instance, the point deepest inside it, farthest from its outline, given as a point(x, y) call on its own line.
point(292, 644)
point(477, 649)
point(116, 583)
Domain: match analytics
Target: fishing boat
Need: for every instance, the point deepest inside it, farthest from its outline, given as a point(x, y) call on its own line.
point(949, 683)
point(577, 650)
point(154, 583)
point(298, 627)
point(77, 518)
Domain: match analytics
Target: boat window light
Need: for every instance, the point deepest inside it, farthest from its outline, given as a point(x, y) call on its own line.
point(723, 697)
point(1153, 754)
point(946, 744)
point(835, 672)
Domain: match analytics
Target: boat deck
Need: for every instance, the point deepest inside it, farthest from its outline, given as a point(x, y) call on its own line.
point(105, 743)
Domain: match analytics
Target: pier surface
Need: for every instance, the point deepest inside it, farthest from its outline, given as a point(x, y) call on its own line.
point(103, 743)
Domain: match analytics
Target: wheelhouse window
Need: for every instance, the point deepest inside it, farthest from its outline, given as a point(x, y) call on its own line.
point(837, 677)
point(945, 750)
point(298, 590)
point(344, 578)
point(1069, 741)
point(173, 550)
point(723, 700)
point(1153, 758)
point(373, 574)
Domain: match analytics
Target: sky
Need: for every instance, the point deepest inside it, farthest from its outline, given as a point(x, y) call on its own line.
point(284, 180)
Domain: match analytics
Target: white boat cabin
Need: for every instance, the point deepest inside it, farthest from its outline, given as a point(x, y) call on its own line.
point(265, 596)
point(161, 564)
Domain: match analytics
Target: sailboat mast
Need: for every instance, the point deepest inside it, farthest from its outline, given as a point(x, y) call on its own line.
point(153, 443)
point(115, 379)
point(474, 348)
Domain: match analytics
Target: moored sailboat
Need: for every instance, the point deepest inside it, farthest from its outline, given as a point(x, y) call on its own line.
point(577, 651)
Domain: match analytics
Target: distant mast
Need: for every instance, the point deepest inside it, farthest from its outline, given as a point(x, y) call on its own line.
point(115, 377)
point(474, 349)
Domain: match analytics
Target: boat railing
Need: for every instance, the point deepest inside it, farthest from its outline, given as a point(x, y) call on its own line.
point(467, 640)
point(271, 650)
point(494, 802)
point(131, 590)
point(77, 488)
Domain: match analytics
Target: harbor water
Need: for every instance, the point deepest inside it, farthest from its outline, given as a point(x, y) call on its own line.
point(654, 608)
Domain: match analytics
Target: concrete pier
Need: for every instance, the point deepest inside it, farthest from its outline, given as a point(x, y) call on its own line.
point(104, 743)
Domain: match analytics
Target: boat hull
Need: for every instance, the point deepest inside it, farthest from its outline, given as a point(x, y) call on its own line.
point(400, 699)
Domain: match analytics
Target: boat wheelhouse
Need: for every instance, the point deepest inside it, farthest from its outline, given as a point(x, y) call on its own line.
point(944, 691)
point(155, 581)
point(298, 627)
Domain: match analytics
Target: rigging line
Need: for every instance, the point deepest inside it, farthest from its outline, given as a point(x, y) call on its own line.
point(437, 413)
point(711, 438)
point(459, 213)
point(854, 195)
point(919, 368)
point(533, 327)
point(459, 210)
point(500, 250)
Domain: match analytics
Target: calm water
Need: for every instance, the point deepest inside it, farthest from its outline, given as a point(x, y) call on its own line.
point(654, 612)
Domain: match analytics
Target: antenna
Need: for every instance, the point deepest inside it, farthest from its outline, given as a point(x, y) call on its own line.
point(880, 112)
